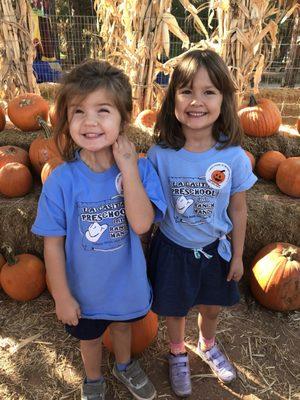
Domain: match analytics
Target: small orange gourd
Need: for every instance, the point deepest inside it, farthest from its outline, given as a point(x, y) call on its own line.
point(251, 158)
point(41, 150)
point(268, 164)
point(146, 118)
point(144, 332)
point(28, 111)
point(23, 276)
point(288, 176)
point(260, 118)
point(2, 262)
point(2, 119)
point(49, 166)
point(13, 154)
point(275, 277)
point(15, 180)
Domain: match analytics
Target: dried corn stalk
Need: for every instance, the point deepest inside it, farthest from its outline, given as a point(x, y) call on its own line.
point(17, 52)
point(246, 36)
point(135, 34)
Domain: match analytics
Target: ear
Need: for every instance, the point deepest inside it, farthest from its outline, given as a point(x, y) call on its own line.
point(124, 127)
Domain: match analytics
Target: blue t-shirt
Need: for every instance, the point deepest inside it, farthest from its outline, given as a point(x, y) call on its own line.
point(105, 264)
point(197, 187)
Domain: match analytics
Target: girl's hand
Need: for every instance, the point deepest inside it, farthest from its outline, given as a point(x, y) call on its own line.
point(67, 310)
point(236, 269)
point(124, 153)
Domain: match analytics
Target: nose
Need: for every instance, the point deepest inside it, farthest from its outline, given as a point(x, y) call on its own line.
point(90, 119)
point(196, 101)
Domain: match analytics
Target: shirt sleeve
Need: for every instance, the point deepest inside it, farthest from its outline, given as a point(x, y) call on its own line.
point(152, 185)
point(50, 219)
point(242, 176)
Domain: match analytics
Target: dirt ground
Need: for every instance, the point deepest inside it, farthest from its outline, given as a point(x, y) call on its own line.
point(38, 361)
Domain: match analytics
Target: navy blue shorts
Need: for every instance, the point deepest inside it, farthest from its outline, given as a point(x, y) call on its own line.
point(181, 281)
point(88, 329)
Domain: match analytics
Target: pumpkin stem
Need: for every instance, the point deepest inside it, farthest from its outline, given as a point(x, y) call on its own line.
point(290, 253)
point(252, 101)
point(44, 126)
point(8, 253)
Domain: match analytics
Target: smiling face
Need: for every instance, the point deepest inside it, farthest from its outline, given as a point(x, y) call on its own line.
point(198, 105)
point(94, 122)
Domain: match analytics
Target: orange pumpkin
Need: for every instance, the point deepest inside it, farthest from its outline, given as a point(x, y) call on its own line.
point(23, 276)
point(2, 119)
point(275, 277)
point(15, 180)
point(268, 164)
point(261, 118)
point(144, 332)
point(49, 166)
point(288, 176)
point(13, 154)
point(146, 119)
point(251, 158)
point(28, 111)
point(41, 150)
point(2, 262)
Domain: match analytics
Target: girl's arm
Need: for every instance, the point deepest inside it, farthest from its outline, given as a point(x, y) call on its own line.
point(67, 308)
point(139, 209)
point(237, 212)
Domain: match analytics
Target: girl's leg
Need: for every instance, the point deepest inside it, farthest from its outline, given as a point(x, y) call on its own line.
point(129, 372)
point(91, 353)
point(176, 331)
point(207, 349)
point(120, 333)
point(207, 322)
point(179, 369)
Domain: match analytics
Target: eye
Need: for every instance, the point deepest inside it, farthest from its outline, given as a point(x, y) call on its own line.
point(103, 110)
point(209, 92)
point(78, 111)
point(185, 91)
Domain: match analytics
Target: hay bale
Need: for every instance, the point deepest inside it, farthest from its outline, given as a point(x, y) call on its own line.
point(15, 137)
point(288, 146)
point(16, 218)
point(272, 217)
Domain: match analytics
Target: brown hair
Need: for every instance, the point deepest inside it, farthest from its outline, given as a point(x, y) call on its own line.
point(81, 81)
point(168, 132)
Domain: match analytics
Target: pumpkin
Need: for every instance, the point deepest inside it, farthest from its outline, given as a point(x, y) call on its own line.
point(251, 158)
point(146, 119)
point(23, 276)
point(2, 119)
point(49, 166)
point(28, 111)
point(13, 154)
point(144, 332)
point(2, 262)
point(41, 150)
point(15, 180)
point(288, 176)
point(268, 164)
point(275, 276)
point(261, 118)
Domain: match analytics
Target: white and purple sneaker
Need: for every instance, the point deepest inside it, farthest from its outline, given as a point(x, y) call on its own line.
point(180, 375)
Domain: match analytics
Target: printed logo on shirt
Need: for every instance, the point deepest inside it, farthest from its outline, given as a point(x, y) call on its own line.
point(193, 199)
point(103, 225)
point(119, 183)
point(218, 175)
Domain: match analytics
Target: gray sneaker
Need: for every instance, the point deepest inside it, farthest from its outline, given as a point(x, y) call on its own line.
point(218, 363)
point(93, 391)
point(180, 375)
point(136, 381)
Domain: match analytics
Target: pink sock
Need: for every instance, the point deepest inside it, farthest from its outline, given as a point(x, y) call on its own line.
point(177, 348)
point(206, 344)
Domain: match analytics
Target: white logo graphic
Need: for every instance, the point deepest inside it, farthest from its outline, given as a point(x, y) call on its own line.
point(119, 183)
point(95, 231)
point(218, 175)
point(182, 204)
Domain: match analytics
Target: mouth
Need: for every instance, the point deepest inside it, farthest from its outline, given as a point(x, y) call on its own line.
point(89, 135)
point(195, 114)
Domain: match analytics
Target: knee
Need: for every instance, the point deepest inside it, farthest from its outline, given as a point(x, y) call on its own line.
point(209, 312)
point(119, 328)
